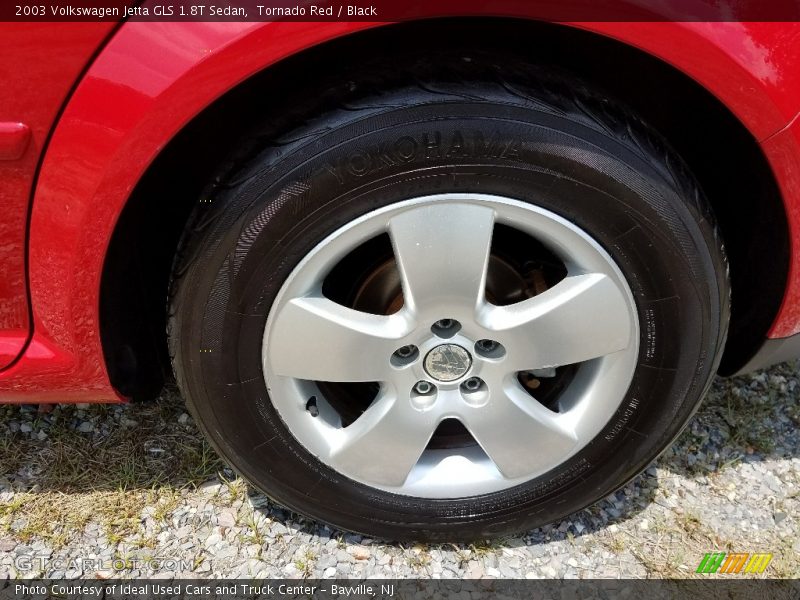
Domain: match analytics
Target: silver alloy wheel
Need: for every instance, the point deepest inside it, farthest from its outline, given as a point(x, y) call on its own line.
point(441, 245)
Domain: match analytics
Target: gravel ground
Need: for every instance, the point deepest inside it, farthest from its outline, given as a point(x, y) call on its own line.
point(126, 486)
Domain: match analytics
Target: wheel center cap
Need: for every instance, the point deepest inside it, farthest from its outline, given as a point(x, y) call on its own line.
point(447, 362)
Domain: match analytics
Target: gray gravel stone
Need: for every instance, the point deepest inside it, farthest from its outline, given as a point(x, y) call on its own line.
point(733, 477)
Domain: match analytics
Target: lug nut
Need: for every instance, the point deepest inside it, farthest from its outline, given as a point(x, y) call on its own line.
point(405, 351)
point(472, 384)
point(487, 345)
point(489, 349)
point(405, 355)
point(423, 387)
point(446, 328)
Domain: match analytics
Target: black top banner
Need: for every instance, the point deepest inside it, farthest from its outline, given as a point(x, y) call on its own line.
point(398, 10)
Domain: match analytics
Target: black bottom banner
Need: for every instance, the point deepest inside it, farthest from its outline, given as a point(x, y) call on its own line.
point(401, 589)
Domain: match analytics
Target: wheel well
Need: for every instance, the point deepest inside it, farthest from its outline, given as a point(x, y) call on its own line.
point(723, 155)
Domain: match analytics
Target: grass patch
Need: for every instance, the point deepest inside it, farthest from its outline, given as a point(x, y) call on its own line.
point(137, 456)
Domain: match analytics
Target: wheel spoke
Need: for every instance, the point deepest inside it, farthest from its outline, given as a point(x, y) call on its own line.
point(442, 252)
point(385, 443)
point(581, 318)
point(315, 338)
point(518, 434)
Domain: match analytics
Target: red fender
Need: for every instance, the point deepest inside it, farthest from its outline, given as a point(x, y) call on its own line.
point(153, 78)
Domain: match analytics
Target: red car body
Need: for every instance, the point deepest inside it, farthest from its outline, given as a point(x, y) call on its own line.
point(87, 108)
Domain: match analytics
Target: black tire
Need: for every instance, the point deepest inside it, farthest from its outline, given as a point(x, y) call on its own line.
point(543, 140)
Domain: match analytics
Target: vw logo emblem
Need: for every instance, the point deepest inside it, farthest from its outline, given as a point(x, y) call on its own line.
point(447, 362)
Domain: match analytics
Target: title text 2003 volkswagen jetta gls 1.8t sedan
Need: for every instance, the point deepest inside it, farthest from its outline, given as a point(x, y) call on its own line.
point(440, 280)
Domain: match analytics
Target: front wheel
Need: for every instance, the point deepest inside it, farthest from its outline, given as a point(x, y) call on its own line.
point(450, 314)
